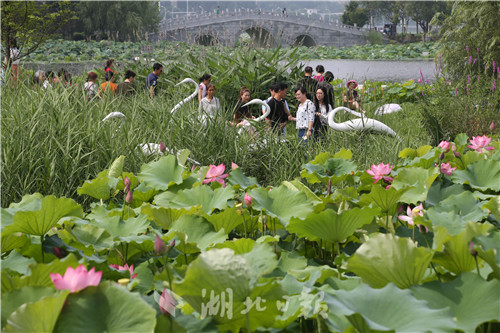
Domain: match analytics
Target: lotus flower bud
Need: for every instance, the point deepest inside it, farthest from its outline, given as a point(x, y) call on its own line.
point(441, 156)
point(127, 183)
point(492, 126)
point(456, 153)
point(162, 147)
point(172, 244)
point(129, 198)
point(160, 247)
point(248, 200)
point(471, 249)
point(234, 166)
point(59, 252)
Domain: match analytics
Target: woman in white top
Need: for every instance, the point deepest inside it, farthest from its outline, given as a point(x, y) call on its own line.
point(209, 104)
point(204, 80)
point(323, 107)
point(91, 86)
point(305, 115)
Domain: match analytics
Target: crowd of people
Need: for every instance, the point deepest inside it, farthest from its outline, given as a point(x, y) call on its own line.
point(314, 93)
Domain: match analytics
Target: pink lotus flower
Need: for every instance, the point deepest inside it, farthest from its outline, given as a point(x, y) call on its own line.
point(480, 142)
point(160, 247)
point(234, 166)
point(379, 171)
point(447, 145)
point(446, 169)
point(216, 173)
point(411, 214)
point(248, 200)
point(76, 279)
point(125, 268)
point(166, 303)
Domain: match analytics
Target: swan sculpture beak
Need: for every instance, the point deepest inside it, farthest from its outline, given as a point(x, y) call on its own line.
point(261, 102)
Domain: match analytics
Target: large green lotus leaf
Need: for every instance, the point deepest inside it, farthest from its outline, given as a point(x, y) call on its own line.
point(426, 160)
point(116, 168)
point(228, 219)
point(216, 284)
point(417, 180)
point(262, 261)
point(295, 185)
point(388, 309)
point(11, 301)
point(456, 256)
point(202, 196)
point(489, 251)
point(236, 177)
point(197, 230)
point(291, 260)
point(314, 274)
point(438, 193)
point(142, 193)
point(18, 263)
point(453, 212)
point(385, 199)
point(13, 241)
point(117, 227)
point(471, 299)
point(41, 221)
point(281, 203)
point(162, 173)
point(480, 175)
point(493, 206)
point(215, 270)
point(163, 217)
point(106, 308)
point(29, 202)
point(40, 316)
point(330, 226)
point(143, 282)
point(386, 258)
point(339, 167)
point(261, 305)
point(99, 188)
point(89, 234)
point(239, 246)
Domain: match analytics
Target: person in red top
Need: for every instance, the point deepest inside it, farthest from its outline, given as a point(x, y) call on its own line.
point(109, 65)
point(109, 86)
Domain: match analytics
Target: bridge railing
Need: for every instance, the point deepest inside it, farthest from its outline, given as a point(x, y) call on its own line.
point(194, 20)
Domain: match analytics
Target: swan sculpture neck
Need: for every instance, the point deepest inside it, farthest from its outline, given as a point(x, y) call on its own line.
point(190, 97)
point(263, 103)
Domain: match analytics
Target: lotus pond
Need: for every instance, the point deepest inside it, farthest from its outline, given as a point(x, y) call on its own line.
point(412, 247)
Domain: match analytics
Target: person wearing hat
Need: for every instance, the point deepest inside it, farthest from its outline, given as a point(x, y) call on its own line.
point(351, 97)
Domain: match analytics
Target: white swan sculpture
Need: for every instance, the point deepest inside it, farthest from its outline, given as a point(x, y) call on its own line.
point(190, 97)
point(115, 114)
point(154, 148)
point(362, 123)
point(247, 123)
point(388, 108)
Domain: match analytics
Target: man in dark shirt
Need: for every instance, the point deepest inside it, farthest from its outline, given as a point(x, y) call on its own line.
point(127, 88)
point(279, 114)
point(152, 79)
point(309, 83)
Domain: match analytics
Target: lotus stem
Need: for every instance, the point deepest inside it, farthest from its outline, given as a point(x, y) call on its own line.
point(41, 247)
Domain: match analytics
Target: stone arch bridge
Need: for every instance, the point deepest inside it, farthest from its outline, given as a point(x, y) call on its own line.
point(265, 29)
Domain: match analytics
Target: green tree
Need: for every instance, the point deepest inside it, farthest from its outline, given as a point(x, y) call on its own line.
point(28, 24)
point(422, 12)
point(118, 20)
point(354, 14)
point(470, 41)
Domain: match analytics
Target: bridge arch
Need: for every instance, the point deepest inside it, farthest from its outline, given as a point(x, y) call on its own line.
point(206, 40)
point(261, 36)
point(303, 40)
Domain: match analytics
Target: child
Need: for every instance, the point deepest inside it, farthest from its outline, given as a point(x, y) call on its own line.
point(351, 97)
